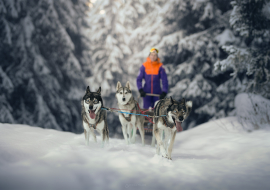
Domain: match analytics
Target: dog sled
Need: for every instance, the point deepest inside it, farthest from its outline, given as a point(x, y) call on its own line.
point(148, 123)
point(147, 113)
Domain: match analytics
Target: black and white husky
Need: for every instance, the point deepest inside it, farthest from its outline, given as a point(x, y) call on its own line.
point(126, 103)
point(176, 112)
point(94, 117)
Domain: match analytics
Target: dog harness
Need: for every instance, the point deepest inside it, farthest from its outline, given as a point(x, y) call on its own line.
point(167, 123)
point(164, 119)
point(127, 118)
point(129, 115)
point(91, 125)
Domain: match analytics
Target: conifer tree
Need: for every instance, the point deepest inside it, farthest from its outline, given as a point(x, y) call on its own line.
point(41, 54)
point(250, 19)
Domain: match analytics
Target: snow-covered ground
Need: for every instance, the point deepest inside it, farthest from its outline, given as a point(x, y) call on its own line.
point(216, 155)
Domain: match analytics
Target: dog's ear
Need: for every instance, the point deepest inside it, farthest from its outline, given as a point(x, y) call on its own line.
point(189, 108)
point(183, 101)
point(171, 100)
point(118, 86)
point(189, 104)
point(99, 90)
point(87, 90)
point(128, 85)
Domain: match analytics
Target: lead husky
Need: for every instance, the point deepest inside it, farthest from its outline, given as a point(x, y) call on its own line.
point(176, 112)
point(93, 116)
point(126, 103)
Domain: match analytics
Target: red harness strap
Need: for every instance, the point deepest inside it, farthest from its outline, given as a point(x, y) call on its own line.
point(142, 112)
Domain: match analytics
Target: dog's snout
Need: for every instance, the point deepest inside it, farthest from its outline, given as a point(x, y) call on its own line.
point(90, 107)
point(181, 118)
point(124, 99)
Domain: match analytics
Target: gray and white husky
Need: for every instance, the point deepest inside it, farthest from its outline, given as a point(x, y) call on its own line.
point(94, 117)
point(176, 112)
point(129, 122)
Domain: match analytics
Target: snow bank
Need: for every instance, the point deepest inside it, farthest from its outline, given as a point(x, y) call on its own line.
point(216, 155)
point(253, 111)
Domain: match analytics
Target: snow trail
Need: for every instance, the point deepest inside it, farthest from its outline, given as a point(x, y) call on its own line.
point(216, 155)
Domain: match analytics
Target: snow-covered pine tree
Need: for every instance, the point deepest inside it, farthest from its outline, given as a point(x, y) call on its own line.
point(250, 19)
point(41, 77)
point(249, 61)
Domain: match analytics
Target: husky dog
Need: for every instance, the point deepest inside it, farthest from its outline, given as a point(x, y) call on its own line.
point(126, 103)
point(176, 112)
point(93, 116)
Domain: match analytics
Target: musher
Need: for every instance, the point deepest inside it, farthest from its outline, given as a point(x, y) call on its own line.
point(152, 71)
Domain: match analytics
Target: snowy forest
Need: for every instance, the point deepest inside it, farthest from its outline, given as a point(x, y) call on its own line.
point(212, 50)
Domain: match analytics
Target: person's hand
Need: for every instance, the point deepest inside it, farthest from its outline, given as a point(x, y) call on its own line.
point(162, 95)
point(142, 93)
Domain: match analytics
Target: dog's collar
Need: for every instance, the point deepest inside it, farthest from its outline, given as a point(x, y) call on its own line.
point(167, 123)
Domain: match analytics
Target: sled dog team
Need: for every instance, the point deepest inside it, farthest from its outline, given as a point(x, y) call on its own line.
point(95, 118)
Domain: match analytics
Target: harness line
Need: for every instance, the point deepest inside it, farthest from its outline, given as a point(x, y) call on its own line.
point(114, 110)
point(146, 117)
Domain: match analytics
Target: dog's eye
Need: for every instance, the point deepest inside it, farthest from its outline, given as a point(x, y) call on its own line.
point(121, 92)
point(87, 101)
point(175, 111)
point(95, 101)
point(125, 92)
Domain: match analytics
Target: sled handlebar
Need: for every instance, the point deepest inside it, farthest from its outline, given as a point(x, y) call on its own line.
point(148, 94)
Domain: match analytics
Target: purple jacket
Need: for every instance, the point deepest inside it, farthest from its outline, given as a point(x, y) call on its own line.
point(152, 72)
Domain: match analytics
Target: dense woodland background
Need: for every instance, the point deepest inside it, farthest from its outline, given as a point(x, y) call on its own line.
point(50, 50)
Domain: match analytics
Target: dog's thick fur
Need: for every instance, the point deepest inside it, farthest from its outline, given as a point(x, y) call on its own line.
point(176, 112)
point(129, 122)
point(93, 116)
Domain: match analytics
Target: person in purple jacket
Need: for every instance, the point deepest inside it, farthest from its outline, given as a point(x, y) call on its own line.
point(152, 71)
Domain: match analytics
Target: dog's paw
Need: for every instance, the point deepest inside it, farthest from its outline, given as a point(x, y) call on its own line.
point(165, 156)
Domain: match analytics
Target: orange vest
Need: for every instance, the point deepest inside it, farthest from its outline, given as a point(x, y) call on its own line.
point(152, 68)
